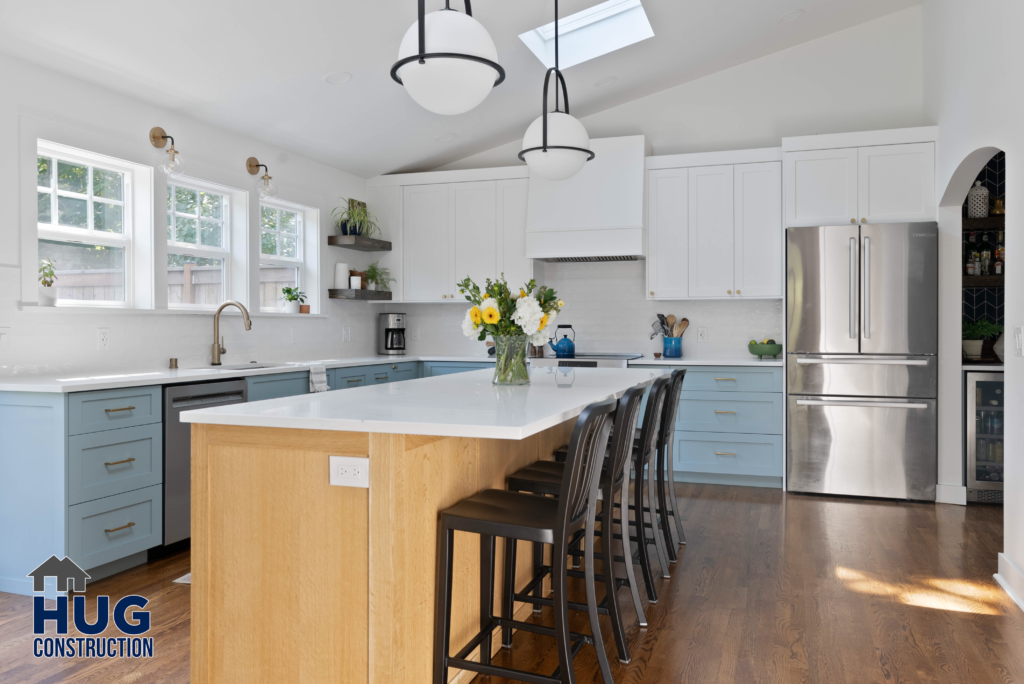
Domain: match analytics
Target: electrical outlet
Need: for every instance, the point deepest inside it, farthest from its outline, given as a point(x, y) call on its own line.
point(702, 334)
point(415, 336)
point(348, 333)
point(1018, 341)
point(350, 471)
point(102, 339)
point(344, 333)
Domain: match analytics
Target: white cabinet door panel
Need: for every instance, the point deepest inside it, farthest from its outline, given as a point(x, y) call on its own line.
point(821, 187)
point(896, 183)
point(425, 243)
point(667, 263)
point(472, 216)
point(758, 229)
point(711, 231)
point(511, 213)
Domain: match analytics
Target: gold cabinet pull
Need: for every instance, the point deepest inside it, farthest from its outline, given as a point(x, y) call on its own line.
point(725, 412)
point(863, 220)
point(737, 291)
point(652, 293)
point(853, 220)
point(380, 377)
point(127, 460)
point(122, 527)
point(733, 379)
point(356, 380)
point(394, 368)
point(724, 453)
point(729, 291)
point(126, 408)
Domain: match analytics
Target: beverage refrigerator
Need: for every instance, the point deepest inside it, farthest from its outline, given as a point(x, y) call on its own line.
point(984, 431)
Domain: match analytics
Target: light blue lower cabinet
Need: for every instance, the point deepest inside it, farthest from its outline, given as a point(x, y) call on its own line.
point(742, 412)
point(111, 528)
point(434, 368)
point(262, 387)
point(344, 378)
point(114, 461)
point(729, 454)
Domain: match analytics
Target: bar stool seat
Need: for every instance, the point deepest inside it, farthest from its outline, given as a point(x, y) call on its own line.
point(502, 513)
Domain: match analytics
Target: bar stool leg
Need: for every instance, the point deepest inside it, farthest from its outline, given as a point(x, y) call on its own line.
point(595, 624)
point(641, 533)
point(560, 599)
point(627, 548)
point(538, 563)
point(680, 537)
point(652, 501)
point(667, 528)
point(487, 542)
point(443, 611)
point(608, 560)
point(508, 603)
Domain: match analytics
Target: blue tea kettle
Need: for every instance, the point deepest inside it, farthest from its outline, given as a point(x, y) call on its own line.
point(565, 348)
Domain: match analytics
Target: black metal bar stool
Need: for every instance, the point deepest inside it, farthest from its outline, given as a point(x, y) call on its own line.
point(545, 477)
point(672, 526)
point(501, 513)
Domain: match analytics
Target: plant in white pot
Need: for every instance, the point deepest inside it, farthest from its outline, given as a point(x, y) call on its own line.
point(974, 334)
point(378, 277)
point(47, 277)
point(293, 298)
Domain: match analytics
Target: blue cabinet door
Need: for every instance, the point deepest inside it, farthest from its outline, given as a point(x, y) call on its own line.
point(730, 454)
point(434, 368)
point(344, 378)
point(276, 386)
point(744, 412)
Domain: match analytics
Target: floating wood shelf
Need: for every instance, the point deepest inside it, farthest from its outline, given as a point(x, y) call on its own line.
point(359, 243)
point(984, 281)
point(997, 222)
point(366, 295)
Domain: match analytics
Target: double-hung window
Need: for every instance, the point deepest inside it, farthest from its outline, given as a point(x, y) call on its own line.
point(198, 249)
point(84, 216)
point(281, 243)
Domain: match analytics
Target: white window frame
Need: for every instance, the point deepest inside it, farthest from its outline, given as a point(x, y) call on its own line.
point(297, 262)
point(224, 252)
point(89, 236)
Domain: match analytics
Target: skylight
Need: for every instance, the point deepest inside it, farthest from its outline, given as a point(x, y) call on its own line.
point(596, 31)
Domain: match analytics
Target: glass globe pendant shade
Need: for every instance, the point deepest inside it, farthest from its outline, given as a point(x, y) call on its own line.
point(267, 188)
point(564, 130)
point(173, 164)
point(449, 85)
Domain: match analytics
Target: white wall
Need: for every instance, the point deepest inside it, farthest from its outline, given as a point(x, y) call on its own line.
point(863, 78)
point(55, 341)
point(974, 90)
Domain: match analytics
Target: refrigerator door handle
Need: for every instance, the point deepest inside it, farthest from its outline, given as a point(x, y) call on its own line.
point(853, 288)
point(866, 300)
point(866, 362)
point(860, 404)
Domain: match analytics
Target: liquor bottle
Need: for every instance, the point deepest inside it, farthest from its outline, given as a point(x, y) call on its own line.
point(1000, 255)
point(985, 249)
point(969, 255)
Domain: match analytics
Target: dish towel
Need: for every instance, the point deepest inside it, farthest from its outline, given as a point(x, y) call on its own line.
point(318, 378)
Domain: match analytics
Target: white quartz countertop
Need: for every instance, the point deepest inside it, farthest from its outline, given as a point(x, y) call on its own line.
point(746, 360)
point(85, 382)
point(456, 405)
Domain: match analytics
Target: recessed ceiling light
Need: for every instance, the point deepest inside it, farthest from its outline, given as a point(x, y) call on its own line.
point(338, 77)
point(791, 16)
point(606, 81)
point(445, 137)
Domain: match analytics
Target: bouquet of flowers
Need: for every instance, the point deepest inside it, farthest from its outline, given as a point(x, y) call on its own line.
point(512, 319)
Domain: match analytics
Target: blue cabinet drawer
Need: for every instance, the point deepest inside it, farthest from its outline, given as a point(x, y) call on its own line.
point(732, 379)
point(745, 412)
point(276, 386)
point(716, 452)
point(378, 375)
point(109, 409)
point(349, 377)
point(107, 529)
point(434, 368)
point(105, 463)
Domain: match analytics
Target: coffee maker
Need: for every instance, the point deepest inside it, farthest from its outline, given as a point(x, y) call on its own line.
point(391, 334)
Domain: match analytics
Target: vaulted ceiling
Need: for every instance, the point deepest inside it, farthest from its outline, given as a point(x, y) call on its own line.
point(258, 66)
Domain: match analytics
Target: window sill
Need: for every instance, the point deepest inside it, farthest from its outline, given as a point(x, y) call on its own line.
point(124, 311)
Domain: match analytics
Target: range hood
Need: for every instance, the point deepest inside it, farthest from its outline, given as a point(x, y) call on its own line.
point(598, 214)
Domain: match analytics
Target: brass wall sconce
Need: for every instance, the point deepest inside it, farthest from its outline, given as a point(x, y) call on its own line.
point(266, 187)
point(172, 166)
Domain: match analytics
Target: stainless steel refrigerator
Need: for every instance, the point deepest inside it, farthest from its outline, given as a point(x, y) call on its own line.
point(862, 321)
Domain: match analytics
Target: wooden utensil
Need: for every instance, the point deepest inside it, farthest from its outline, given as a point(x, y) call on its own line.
point(682, 326)
point(670, 320)
point(676, 330)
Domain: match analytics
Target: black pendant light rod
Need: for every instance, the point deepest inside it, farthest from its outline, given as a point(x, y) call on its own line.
point(423, 55)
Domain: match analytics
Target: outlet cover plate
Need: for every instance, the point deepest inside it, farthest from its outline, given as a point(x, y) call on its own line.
point(702, 335)
point(102, 339)
point(350, 471)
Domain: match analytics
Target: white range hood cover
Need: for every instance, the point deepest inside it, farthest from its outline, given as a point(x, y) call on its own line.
point(599, 212)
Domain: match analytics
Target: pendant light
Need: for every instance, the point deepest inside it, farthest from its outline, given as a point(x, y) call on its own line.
point(266, 188)
point(556, 145)
point(461, 68)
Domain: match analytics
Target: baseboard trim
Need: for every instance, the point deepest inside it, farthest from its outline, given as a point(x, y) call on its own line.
point(1011, 579)
point(951, 494)
point(730, 479)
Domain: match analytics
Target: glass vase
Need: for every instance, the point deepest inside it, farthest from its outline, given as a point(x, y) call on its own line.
point(510, 360)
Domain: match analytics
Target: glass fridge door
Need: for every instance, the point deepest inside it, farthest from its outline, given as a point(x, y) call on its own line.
point(985, 430)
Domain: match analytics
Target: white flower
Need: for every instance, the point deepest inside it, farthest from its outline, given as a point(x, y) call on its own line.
point(528, 315)
point(540, 337)
point(468, 327)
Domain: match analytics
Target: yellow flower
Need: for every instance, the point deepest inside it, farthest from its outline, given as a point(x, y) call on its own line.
point(543, 321)
point(491, 316)
point(475, 315)
point(522, 292)
point(486, 295)
point(560, 303)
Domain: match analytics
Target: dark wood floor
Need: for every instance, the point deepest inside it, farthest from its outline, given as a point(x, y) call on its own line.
point(771, 588)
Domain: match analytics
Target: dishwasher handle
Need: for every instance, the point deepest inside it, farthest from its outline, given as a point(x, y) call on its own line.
point(208, 400)
point(864, 362)
point(861, 404)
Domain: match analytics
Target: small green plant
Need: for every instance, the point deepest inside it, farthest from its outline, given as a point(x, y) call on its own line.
point(980, 330)
point(293, 294)
point(353, 218)
point(375, 273)
point(47, 273)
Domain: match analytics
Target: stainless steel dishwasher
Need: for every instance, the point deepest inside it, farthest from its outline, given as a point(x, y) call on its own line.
point(178, 447)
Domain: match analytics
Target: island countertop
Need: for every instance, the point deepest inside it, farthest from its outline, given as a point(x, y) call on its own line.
point(456, 405)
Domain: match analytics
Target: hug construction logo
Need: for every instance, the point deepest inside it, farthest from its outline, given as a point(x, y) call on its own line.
point(70, 577)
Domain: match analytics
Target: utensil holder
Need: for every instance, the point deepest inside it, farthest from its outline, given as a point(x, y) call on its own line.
point(673, 347)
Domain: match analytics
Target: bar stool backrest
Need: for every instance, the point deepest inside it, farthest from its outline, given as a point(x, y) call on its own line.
point(668, 419)
point(622, 437)
point(652, 417)
point(587, 449)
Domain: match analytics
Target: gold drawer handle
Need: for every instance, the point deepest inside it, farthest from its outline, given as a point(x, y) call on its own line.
point(733, 379)
point(126, 408)
point(122, 527)
point(724, 453)
point(725, 412)
point(127, 460)
point(356, 380)
point(380, 377)
point(394, 368)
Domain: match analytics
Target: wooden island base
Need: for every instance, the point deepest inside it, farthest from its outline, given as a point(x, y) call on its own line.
point(294, 580)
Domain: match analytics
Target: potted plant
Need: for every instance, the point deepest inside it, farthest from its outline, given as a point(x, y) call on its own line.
point(355, 219)
point(47, 277)
point(974, 334)
point(378, 276)
point(293, 298)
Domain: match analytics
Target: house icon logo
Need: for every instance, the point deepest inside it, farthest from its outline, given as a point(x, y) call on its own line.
point(69, 576)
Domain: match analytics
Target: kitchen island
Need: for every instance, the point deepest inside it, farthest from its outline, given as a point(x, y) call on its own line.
point(296, 580)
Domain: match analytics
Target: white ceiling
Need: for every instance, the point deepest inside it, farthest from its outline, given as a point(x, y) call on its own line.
point(257, 66)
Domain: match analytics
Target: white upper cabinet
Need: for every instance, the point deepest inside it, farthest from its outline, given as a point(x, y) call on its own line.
point(821, 187)
point(472, 216)
point(511, 217)
point(668, 213)
point(425, 244)
point(896, 183)
point(711, 258)
point(757, 192)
